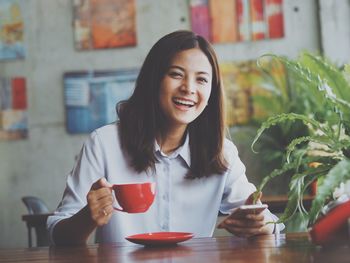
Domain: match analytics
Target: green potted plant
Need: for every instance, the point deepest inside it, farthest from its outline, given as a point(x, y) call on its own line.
point(271, 92)
point(326, 114)
point(282, 87)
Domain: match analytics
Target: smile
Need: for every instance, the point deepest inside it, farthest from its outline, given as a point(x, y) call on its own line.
point(183, 102)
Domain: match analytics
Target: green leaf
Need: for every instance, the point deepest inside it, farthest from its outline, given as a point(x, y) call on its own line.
point(328, 72)
point(279, 83)
point(323, 140)
point(294, 198)
point(297, 187)
point(338, 174)
point(294, 143)
point(274, 120)
point(277, 172)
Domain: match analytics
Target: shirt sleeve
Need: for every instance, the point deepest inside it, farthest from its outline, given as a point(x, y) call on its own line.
point(87, 170)
point(237, 187)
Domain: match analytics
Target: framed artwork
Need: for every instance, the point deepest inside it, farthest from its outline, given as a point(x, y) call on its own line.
point(11, 28)
point(200, 19)
point(101, 24)
point(229, 21)
point(223, 15)
point(91, 97)
point(13, 108)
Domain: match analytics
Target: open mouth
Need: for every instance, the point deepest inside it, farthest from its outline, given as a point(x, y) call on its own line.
point(182, 102)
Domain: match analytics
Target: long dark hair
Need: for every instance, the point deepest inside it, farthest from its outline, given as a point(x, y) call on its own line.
point(141, 116)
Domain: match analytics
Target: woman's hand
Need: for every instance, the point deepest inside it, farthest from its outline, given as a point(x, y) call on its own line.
point(100, 201)
point(76, 229)
point(248, 225)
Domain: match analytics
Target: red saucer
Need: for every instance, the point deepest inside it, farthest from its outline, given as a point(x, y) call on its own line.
point(159, 238)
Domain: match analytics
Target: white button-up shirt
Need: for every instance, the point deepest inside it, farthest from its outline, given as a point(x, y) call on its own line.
point(183, 205)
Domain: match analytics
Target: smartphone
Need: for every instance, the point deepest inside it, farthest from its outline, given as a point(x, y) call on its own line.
point(252, 209)
point(244, 210)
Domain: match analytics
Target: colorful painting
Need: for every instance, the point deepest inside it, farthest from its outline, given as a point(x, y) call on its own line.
point(274, 15)
point(91, 97)
point(101, 24)
point(257, 18)
point(11, 30)
point(229, 21)
point(200, 19)
point(245, 84)
point(13, 108)
point(224, 27)
point(243, 18)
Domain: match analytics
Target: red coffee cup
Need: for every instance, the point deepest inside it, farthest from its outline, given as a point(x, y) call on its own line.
point(134, 198)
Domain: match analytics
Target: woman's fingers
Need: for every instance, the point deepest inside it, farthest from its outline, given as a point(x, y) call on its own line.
point(100, 183)
point(256, 217)
point(244, 223)
point(94, 195)
point(101, 211)
point(100, 202)
point(244, 232)
point(249, 225)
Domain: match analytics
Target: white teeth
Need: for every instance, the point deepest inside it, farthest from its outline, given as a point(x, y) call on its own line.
point(184, 102)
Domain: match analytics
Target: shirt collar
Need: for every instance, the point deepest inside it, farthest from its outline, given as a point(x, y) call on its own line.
point(183, 151)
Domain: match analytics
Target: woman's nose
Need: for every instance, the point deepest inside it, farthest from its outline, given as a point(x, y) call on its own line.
point(188, 86)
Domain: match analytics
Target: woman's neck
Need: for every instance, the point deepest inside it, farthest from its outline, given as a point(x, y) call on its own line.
point(170, 140)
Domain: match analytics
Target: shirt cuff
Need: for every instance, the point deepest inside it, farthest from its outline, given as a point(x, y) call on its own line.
point(277, 227)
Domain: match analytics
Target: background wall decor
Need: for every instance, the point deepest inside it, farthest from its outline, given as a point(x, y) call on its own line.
point(13, 108)
point(229, 21)
point(11, 30)
point(91, 97)
point(44, 159)
point(102, 24)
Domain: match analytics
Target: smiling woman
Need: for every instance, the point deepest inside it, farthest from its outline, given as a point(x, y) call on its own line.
point(184, 92)
point(171, 132)
point(181, 60)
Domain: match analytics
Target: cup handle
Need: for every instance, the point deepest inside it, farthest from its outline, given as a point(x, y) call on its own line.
point(118, 209)
point(115, 200)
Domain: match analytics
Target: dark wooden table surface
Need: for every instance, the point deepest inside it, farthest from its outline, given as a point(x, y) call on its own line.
point(268, 248)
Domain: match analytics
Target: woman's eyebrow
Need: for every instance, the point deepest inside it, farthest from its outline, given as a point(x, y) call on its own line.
point(203, 72)
point(177, 67)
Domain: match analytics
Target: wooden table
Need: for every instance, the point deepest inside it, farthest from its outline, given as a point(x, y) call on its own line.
point(268, 248)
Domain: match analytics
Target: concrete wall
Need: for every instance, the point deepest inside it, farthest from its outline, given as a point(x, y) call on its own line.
point(335, 30)
point(39, 165)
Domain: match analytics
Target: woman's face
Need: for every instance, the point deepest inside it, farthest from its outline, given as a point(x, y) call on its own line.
point(185, 87)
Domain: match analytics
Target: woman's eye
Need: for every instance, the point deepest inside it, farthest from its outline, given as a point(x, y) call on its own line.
point(175, 74)
point(202, 80)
